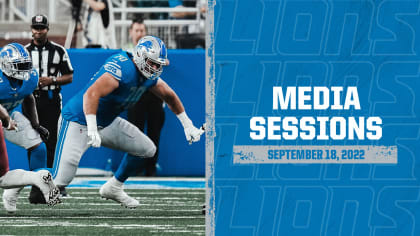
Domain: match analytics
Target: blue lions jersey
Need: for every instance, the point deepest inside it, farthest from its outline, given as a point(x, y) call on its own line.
point(12, 93)
point(132, 84)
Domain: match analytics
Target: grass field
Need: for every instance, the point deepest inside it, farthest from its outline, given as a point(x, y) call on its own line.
point(161, 212)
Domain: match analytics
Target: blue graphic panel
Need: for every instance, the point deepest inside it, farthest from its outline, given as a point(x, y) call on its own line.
point(364, 56)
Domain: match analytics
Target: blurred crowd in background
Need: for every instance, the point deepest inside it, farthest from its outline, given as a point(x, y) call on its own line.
point(106, 23)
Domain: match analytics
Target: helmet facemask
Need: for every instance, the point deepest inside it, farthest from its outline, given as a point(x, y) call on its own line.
point(18, 70)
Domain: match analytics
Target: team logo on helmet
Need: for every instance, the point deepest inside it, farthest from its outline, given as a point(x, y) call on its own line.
point(148, 45)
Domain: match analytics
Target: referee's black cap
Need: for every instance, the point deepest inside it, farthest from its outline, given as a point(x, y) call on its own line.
point(40, 22)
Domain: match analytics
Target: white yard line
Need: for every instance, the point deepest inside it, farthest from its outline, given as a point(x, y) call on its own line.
point(130, 226)
point(145, 197)
point(147, 179)
point(113, 209)
point(143, 205)
point(161, 192)
point(111, 203)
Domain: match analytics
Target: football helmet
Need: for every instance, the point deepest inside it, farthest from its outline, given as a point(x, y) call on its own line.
point(15, 61)
point(150, 56)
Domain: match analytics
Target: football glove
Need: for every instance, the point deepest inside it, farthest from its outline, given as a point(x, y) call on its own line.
point(12, 125)
point(43, 132)
point(94, 139)
point(192, 134)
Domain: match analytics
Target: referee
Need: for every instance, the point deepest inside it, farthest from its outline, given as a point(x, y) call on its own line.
point(53, 65)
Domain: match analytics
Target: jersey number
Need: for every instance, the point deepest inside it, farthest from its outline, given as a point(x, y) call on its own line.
point(121, 58)
point(135, 94)
point(11, 105)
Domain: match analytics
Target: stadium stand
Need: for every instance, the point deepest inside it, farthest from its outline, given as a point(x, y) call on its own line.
point(15, 16)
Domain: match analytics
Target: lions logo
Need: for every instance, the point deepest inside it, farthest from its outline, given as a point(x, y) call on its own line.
point(148, 46)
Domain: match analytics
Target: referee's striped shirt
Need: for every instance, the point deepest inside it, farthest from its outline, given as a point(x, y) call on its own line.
point(50, 59)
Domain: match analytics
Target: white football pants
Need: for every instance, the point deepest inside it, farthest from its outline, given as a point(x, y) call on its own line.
point(72, 144)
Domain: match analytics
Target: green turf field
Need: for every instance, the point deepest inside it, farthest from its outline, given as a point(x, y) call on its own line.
point(161, 212)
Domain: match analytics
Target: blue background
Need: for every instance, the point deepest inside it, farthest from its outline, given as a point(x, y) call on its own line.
point(373, 45)
point(185, 75)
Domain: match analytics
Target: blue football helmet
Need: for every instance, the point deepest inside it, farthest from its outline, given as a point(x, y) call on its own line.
point(15, 61)
point(150, 56)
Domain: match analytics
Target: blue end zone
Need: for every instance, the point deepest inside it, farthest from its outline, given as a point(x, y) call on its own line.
point(142, 183)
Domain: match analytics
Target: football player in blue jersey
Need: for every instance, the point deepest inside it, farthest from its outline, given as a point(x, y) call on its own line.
point(17, 82)
point(91, 118)
point(19, 178)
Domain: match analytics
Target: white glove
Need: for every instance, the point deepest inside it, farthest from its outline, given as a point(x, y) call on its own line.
point(192, 134)
point(94, 139)
point(12, 125)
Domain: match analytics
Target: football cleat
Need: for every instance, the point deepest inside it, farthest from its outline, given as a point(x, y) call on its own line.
point(116, 193)
point(48, 188)
point(63, 192)
point(10, 197)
